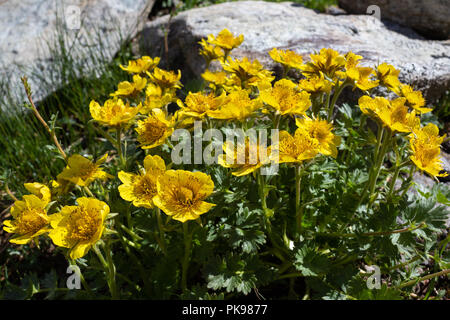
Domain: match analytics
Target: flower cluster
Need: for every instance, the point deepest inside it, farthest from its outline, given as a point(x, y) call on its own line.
point(138, 177)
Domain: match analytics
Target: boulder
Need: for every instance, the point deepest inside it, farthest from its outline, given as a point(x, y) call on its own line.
point(428, 17)
point(29, 30)
point(423, 63)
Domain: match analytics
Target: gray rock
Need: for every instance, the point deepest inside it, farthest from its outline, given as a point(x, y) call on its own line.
point(445, 158)
point(425, 64)
point(335, 11)
point(28, 34)
point(428, 17)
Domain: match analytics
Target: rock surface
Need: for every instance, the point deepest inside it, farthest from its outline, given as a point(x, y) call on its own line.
point(428, 17)
point(425, 64)
point(28, 31)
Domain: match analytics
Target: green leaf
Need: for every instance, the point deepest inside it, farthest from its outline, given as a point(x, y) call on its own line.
point(311, 263)
point(442, 199)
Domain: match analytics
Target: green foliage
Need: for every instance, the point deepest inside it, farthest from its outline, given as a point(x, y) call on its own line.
point(232, 252)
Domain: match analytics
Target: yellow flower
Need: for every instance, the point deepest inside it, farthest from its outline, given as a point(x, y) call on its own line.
point(288, 58)
point(29, 221)
point(297, 148)
point(238, 106)
point(248, 73)
point(361, 77)
point(141, 65)
point(398, 118)
point(388, 77)
point(352, 60)
point(414, 99)
point(245, 158)
point(156, 98)
point(429, 135)
point(216, 79)
point(317, 84)
point(393, 114)
point(181, 194)
point(210, 52)
point(60, 186)
point(141, 188)
point(321, 133)
point(154, 130)
point(198, 105)
point(114, 112)
point(425, 145)
point(126, 88)
point(40, 190)
point(226, 40)
point(79, 227)
point(328, 61)
point(165, 79)
point(286, 99)
point(373, 106)
point(82, 171)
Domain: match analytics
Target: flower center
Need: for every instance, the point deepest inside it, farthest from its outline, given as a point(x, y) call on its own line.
point(184, 196)
point(154, 130)
point(399, 115)
point(84, 224)
point(31, 221)
point(87, 171)
point(320, 133)
point(145, 188)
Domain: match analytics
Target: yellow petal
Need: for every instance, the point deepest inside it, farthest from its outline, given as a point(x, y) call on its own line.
point(80, 250)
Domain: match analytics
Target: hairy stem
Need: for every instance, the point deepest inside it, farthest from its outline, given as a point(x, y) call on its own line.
point(370, 234)
point(298, 207)
point(39, 117)
point(161, 231)
point(187, 253)
point(119, 147)
point(430, 276)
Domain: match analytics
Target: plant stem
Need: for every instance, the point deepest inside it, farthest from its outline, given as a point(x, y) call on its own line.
point(277, 121)
point(394, 179)
point(380, 135)
point(379, 162)
point(335, 97)
point(119, 147)
point(261, 186)
point(410, 175)
point(106, 135)
point(187, 253)
point(400, 265)
point(398, 167)
point(106, 267)
point(112, 271)
point(430, 276)
point(370, 234)
point(161, 231)
point(290, 275)
point(130, 232)
point(298, 207)
point(88, 191)
point(328, 102)
point(39, 117)
point(10, 193)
